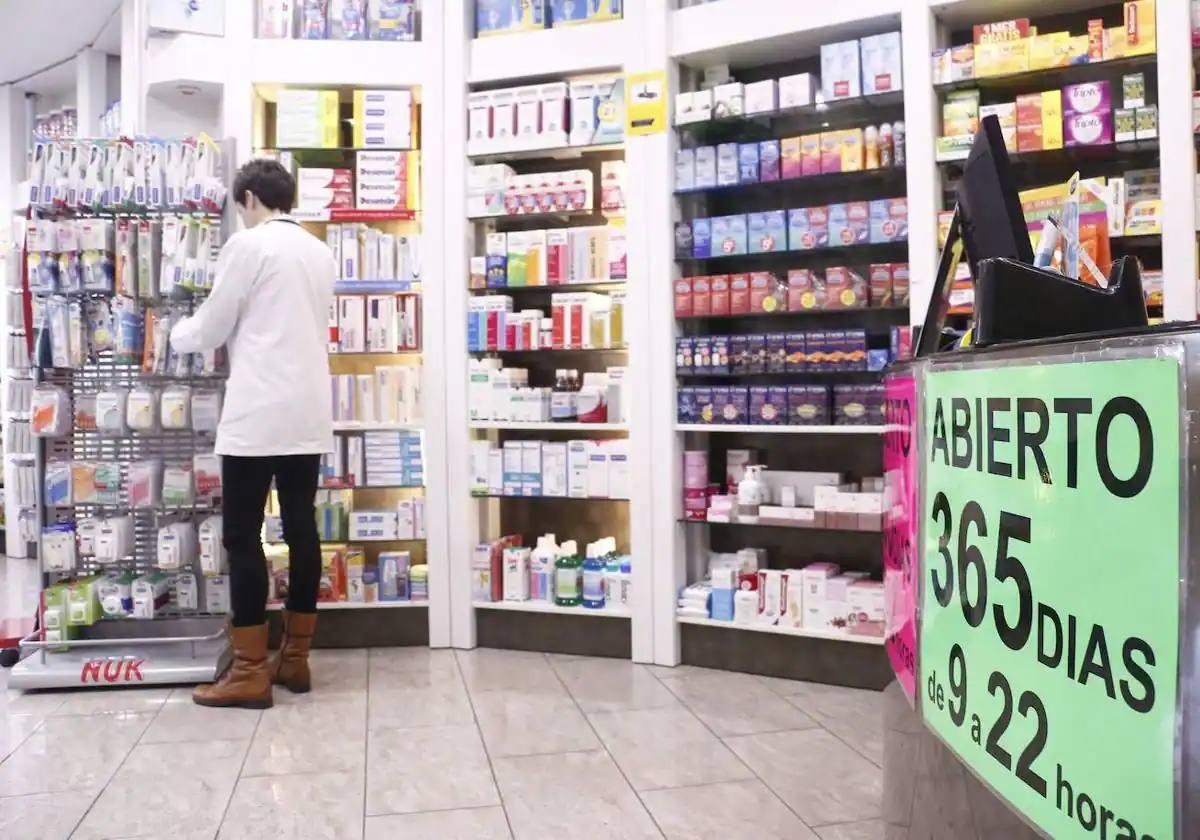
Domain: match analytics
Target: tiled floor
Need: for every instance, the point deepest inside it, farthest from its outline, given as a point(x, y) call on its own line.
point(415, 743)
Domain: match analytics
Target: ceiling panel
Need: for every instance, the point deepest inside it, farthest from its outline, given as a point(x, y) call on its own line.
point(32, 35)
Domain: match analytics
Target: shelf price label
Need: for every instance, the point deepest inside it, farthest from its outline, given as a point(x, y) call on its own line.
point(1050, 593)
point(900, 528)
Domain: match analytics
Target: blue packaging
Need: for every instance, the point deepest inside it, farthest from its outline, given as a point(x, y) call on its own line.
point(721, 601)
point(702, 354)
point(683, 241)
point(573, 12)
point(839, 224)
point(854, 352)
point(767, 232)
point(748, 163)
point(734, 236)
point(497, 272)
point(877, 360)
point(756, 232)
point(737, 408)
point(889, 220)
point(756, 354)
point(728, 174)
point(394, 20)
point(797, 229)
point(768, 160)
point(719, 360)
point(777, 353)
point(703, 396)
point(721, 408)
point(685, 405)
point(683, 355)
point(702, 238)
point(706, 167)
point(494, 17)
point(314, 19)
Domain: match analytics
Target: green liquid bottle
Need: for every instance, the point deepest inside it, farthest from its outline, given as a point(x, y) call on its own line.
point(568, 576)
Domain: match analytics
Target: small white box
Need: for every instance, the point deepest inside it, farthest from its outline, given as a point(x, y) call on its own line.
point(797, 91)
point(728, 100)
point(762, 97)
point(882, 70)
point(841, 73)
point(619, 478)
point(583, 113)
point(597, 470)
point(480, 452)
point(529, 118)
point(531, 468)
point(512, 467)
point(504, 120)
point(479, 122)
point(555, 115)
point(495, 473)
point(835, 605)
point(815, 576)
point(554, 469)
point(772, 596)
point(577, 468)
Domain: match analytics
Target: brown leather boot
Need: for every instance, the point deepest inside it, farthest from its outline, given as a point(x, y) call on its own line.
point(247, 683)
point(290, 667)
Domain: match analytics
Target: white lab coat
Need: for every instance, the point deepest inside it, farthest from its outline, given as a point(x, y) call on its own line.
point(270, 307)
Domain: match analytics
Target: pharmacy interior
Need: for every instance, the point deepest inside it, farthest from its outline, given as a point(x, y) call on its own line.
point(625, 304)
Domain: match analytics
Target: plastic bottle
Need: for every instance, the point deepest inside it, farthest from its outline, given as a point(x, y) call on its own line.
point(887, 139)
point(626, 582)
point(751, 493)
point(568, 576)
point(593, 577)
point(612, 581)
point(898, 143)
point(541, 569)
point(871, 138)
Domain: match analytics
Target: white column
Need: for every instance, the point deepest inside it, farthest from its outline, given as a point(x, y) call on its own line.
point(14, 140)
point(133, 52)
point(463, 513)
point(921, 122)
point(91, 90)
point(1177, 159)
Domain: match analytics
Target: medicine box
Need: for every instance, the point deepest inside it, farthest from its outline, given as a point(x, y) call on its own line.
point(841, 74)
point(881, 63)
point(497, 17)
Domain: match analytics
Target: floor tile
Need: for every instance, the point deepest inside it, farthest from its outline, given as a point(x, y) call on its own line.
point(71, 753)
point(601, 685)
point(161, 788)
point(316, 806)
point(868, 830)
point(822, 779)
point(412, 668)
point(435, 768)
point(318, 737)
point(40, 703)
point(662, 748)
point(854, 715)
point(46, 816)
point(733, 705)
point(102, 701)
point(337, 676)
point(727, 811)
point(14, 729)
point(408, 708)
point(568, 795)
point(183, 720)
point(512, 724)
point(464, 824)
point(484, 669)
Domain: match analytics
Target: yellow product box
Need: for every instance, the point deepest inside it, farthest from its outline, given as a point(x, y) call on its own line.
point(953, 148)
point(960, 113)
point(810, 154)
point(1115, 44)
point(1143, 217)
point(1050, 50)
point(1140, 38)
point(1078, 50)
point(852, 149)
point(1002, 57)
point(1052, 119)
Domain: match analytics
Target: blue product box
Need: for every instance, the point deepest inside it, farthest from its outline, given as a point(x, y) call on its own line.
point(877, 360)
point(728, 173)
point(721, 601)
point(683, 241)
point(768, 160)
point(573, 12)
point(703, 396)
point(797, 352)
point(493, 17)
point(797, 229)
point(497, 272)
point(889, 220)
point(759, 410)
point(855, 350)
point(685, 405)
point(736, 238)
point(737, 409)
point(817, 351)
point(396, 21)
point(721, 409)
point(702, 354)
point(685, 170)
point(748, 163)
point(702, 238)
point(839, 224)
point(775, 236)
point(776, 353)
point(719, 362)
point(472, 331)
point(683, 355)
point(835, 354)
point(756, 233)
point(756, 354)
point(706, 167)
point(739, 354)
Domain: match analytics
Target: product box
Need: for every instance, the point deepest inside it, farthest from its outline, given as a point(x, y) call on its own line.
point(849, 223)
point(865, 608)
point(762, 97)
point(796, 348)
point(962, 63)
point(889, 220)
point(879, 282)
point(306, 119)
point(702, 242)
point(730, 235)
point(766, 294)
point(844, 288)
point(797, 91)
point(684, 245)
point(1124, 125)
point(811, 154)
point(767, 232)
point(769, 160)
point(728, 169)
point(854, 350)
point(1140, 31)
point(1052, 119)
point(881, 63)
point(729, 100)
point(747, 163)
point(808, 405)
point(831, 152)
point(756, 351)
point(706, 167)
point(701, 297)
point(1001, 58)
point(739, 294)
point(683, 298)
point(1052, 49)
point(1086, 98)
point(841, 73)
point(852, 149)
point(900, 283)
point(684, 348)
point(685, 170)
point(1146, 122)
point(776, 352)
point(768, 406)
point(789, 157)
point(808, 227)
point(498, 17)
point(718, 292)
point(1088, 129)
point(805, 291)
point(1133, 90)
point(718, 358)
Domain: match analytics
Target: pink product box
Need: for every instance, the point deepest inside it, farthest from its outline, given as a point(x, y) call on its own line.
point(1086, 98)
point(1090, 129)
point(695, 470)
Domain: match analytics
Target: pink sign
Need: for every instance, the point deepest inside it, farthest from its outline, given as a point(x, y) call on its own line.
point(900, 528)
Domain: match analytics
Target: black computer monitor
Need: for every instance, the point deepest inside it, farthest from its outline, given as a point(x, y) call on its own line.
point(988, 223)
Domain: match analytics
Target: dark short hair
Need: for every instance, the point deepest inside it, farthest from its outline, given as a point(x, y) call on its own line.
point(269, 181)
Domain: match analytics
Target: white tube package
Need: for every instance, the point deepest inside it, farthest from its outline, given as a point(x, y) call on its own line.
point(151, 593)
point(187, 591)
point(145, 484)
point(111, 412)
point(212, 550)
point(85, 532)
point(176, 546)
point(58, 548)
point(177, 407)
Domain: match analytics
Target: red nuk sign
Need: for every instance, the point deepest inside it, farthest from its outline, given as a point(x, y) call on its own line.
point(112, 670)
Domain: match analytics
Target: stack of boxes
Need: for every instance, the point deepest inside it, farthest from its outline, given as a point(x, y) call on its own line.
point(362, 252)
point(306, 119)
point(781, 405)
point(578, 113)
point(390, 394)
point(387, 180)
point(502, 394)
point(794, 352)
point(763, 293)
point(576, 469)
point(497, 190)
point(578, 321)
point(388, 323)
point(319, 189)
point(551, 258)
point(503, 17)
point(383, 119)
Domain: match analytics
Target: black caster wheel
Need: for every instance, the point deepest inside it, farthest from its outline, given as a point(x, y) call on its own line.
point(9, 657)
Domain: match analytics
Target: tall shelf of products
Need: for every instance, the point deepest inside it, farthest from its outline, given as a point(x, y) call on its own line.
point(359, 182)
point(790, 297)
point(128, 490)
point(1073, 92)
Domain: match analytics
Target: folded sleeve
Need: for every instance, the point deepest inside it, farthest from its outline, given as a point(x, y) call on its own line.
point(237, 270)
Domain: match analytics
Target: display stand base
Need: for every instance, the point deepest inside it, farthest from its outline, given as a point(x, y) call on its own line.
point(789, 657)
point(363, 628)
point(554, 633)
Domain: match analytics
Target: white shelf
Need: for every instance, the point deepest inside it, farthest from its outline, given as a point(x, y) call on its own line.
point(545, 153)
point(549, 427)
point(718, 428)
point(358, 605)
point(356, 426)
point(548, 52)
point(547, 607)
point(782, 631)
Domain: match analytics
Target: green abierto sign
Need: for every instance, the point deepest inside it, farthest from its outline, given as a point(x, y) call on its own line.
point(1050, 625)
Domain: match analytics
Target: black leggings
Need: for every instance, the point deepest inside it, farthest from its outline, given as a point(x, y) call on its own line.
point(247, 481)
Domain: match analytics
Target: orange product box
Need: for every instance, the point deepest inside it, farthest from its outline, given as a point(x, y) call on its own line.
point(739, 294)
point(790, 158)
point(831, 151)
point(718, 293)
point(880, 284)
point(683, 298)
point(804, 290)
point(1029, 138)
point(844, 288)
point(701, 297)
point(810, 154)
point(1029, 109)
point(1095, 40)
point(1140, 34)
